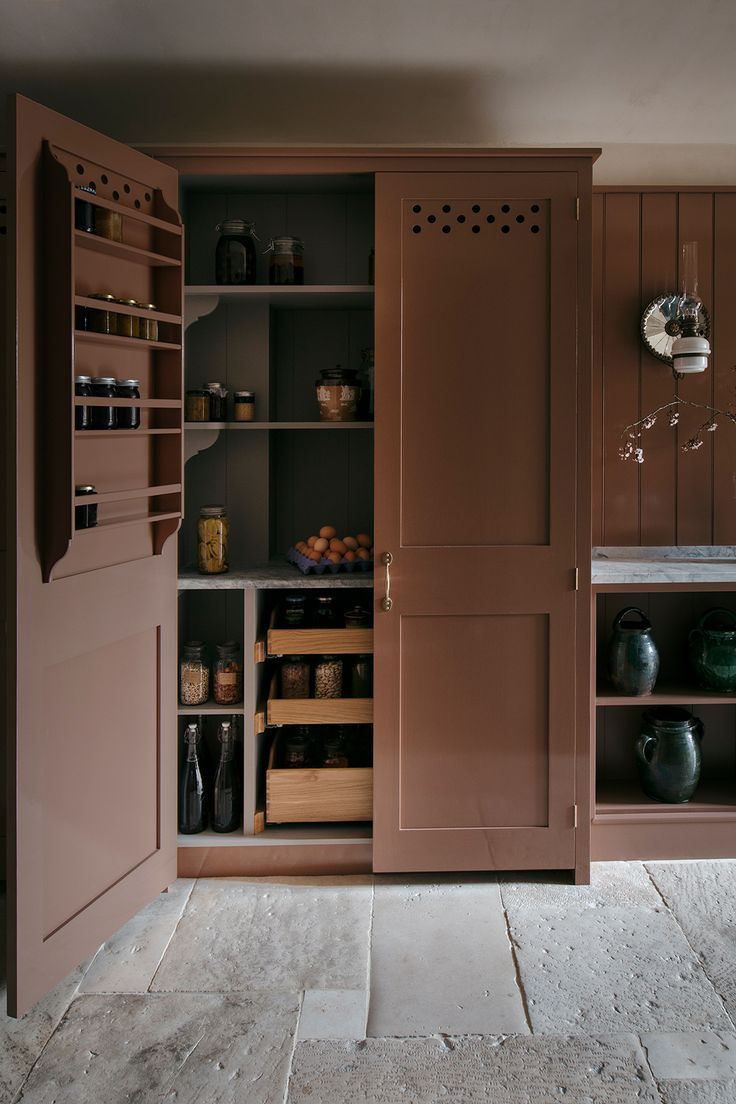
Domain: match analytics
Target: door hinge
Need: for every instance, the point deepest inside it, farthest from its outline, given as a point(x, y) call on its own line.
point(574, 816)
point(576, 577)
point(577, 208)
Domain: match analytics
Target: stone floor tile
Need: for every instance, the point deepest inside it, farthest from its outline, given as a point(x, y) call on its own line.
point(333, 1014)
point(441, 961)
point(182, 1047)
point(611, 969)
point(128, 961)
point(703, 1055)
point(697, 1092)
point(702, 896)
point(514, 1070)
point(241, 934)
point(626, 884)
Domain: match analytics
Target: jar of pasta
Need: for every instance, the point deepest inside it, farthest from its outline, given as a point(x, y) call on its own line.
point(213, 533)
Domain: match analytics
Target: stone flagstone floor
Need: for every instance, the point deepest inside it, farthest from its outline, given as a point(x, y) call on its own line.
point(509, 990)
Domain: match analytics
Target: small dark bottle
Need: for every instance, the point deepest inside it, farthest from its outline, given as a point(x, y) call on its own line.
point(192, 793)
point(226, 799)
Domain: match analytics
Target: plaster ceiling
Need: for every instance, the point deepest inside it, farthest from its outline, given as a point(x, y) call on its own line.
point(619, 73)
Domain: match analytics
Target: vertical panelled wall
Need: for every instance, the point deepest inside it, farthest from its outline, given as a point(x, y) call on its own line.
point(673, 497)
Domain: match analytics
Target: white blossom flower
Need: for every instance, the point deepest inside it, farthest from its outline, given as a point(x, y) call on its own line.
point(674, 417)
point(639, 455)
point(712, 427)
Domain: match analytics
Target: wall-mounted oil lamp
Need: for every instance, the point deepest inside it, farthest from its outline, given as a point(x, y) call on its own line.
point(675, 328)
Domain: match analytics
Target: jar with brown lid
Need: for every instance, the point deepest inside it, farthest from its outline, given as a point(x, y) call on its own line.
point(213, 535)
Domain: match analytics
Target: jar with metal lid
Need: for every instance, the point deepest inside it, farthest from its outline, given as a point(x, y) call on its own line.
point(294, 611)
point(361, 676)
point(128, 417)
point(85, 516)
point(327, 613)
point(328, 677)
point(338, 391)
point(109, 224)
point(357, 618)
point(213, 534)
point(244, 406)
point(84, 211)
point(148, 327)
point(103, 417)
point(295, 677)
point(82, 389)
point(197, 406)
point(194, 674)
point(335, 749)
point(235, 256)
point(227, 674)
point(218, 401)
point(286, 261)
point(297, 749)
point(101, 321)
point(127, 324)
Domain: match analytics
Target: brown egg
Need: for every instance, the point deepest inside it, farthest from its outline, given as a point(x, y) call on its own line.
point(321, 545)
point(334, 557)
point(328, 531)
point(350, 542)
point(311, 541)
point(316, 556)
point(338, 546)
point(301, 546)
point(363, 554)
point(364, 540)
point(351, 556)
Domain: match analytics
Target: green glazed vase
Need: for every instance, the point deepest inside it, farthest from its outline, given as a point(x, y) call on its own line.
point(668, 754)
point(713, 650)
point(633, 659)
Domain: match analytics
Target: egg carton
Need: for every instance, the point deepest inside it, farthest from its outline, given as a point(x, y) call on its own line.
point(314, 567)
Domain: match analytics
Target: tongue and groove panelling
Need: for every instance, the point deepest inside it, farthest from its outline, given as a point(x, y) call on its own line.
point(673, 497)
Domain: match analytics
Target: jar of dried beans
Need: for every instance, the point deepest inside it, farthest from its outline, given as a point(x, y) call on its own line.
point(328, 677)
point(194, 674)
point(213, 534)
point(294, 677)
point(228, 674)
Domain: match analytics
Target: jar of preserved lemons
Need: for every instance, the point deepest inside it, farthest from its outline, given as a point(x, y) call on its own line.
point(213, 534)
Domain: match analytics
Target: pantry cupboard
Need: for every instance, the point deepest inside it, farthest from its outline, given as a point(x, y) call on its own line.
point(476, 488)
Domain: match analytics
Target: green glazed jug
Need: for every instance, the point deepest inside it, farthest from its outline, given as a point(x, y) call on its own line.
point(713, 650)
point(668, 754)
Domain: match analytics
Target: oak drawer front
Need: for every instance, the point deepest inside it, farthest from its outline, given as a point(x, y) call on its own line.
point(324, 794)
point(319, 641)
point(320, 710)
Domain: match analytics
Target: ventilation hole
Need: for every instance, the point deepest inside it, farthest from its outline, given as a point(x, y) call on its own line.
point(446, 208)
point(116, 195)
point(476, 229)
point(534, 208)
point(519, 218)
point(505, 229)
point(431, 218)
point(80, 170)
point(416, 229)
point(505, 208)
point(137, 203)
point(461, 218)
point(535, 229)
point(103, 178)
point(446, 229)
point(416, 208)
point(475, 208)
point(147, 197)
point(126, 189)
point(490, 218)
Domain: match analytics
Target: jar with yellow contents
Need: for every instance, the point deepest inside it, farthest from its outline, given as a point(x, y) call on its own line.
point(213, 537)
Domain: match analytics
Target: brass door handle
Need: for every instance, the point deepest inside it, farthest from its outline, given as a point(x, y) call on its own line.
point(387, 601)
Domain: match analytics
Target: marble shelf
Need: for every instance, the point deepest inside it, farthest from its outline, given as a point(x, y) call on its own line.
point(272, 576)
point(664, 564)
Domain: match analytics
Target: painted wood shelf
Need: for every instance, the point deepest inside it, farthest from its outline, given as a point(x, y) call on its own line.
point(193, 426)
point(128, 495)
point(145, 404)
point(665, 695)
point(120, 308)
point(97, 244)
point(81, 434)
point(625, 802)
point(132, 213)
point(123, 522)
point(124, 342)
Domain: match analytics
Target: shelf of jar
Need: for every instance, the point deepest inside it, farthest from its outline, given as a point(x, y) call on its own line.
point(664, 695)
point(120, 308)
point(211, 709)
point(122, 522)
point(276, 575)
point(619, 802)
point(275, 835)
point(125, 342)
point(114, 433)
point(133, 213)
point(145, 404)
point(98, 244)
point(278, 425)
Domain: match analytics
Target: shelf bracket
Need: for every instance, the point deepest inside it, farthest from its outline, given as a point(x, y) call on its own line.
point(199, 441)
point(199, 306)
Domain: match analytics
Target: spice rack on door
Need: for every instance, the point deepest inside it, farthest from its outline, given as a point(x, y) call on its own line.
point(137, 472)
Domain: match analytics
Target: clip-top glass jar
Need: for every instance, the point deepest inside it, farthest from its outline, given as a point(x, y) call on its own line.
point(227, 674)
point(286, 261)
point(218, 401)
point(213, 535)
point(235, 256)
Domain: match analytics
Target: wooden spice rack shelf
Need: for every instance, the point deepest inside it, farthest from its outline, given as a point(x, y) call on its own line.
point(127, 495)
point(82, 434)
point(126, 342)
point(124, 522)
point(145, 404)
point(324, 794)
point(124, 252)
point(120, 308)
point(131, 213)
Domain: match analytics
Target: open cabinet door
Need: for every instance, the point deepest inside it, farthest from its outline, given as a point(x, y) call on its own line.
point(476, 500)
point(91, 633)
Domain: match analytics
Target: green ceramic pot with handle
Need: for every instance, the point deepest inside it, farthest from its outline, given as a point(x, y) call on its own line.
point(668, 754)
point(713, 650)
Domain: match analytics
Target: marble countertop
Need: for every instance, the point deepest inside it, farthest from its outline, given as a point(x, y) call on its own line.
point(665, 564)
point(271, 576)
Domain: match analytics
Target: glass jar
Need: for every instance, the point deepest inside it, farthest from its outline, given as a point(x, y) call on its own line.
point(297, 750)
point(337, 394)
point(244, 406)
point(194, 674)
point(235, 256)
point(327, 614)
point(101, 321)
point(83, 388)
point(84, 211)
point(357, 618)
point(295, 611)
point(197, 406)
point(85, 517)
point(109, 224)
point(148, 327)
point(128, 417)
point(213, 534)
point(294, 677)
point(286, 261)
point(335, 749)
point(361, 677)
point(103, 417)
point(227, 674)
point(218, 401)
point(328, 677)
point(127, 324)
